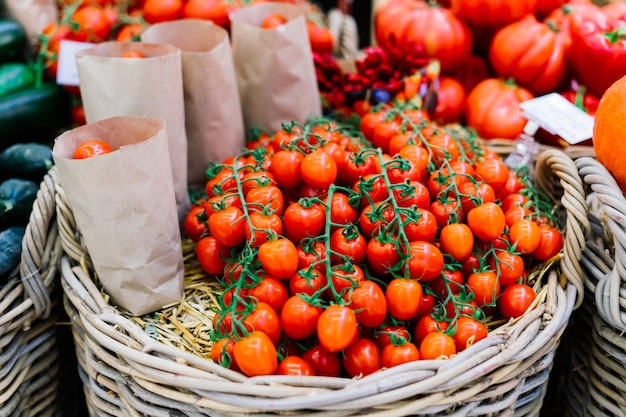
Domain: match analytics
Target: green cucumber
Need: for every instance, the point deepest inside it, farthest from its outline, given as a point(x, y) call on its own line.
point(28, 161)
point(12, 40)
point(16, 201)
point(11, 253)
point(39, 114)
point(15, 76)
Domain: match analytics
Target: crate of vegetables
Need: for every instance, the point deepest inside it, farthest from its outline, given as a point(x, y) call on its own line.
point(323, 276)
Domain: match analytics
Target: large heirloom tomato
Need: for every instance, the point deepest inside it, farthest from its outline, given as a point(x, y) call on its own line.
point(425, 29)
point(492, 108)
point(492, 13)
point(531, 52)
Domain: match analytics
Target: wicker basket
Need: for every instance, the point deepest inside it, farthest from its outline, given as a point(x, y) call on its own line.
point(29, 367)
point(598, 376)
point(127, 372)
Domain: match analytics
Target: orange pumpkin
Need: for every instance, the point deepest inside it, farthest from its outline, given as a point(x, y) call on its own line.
point(608, 131)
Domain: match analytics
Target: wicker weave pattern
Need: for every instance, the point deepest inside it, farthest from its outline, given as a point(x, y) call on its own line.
point(126, 372)
point(28, 340)
point(608, 286)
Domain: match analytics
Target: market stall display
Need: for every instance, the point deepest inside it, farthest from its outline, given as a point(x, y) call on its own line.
point(366, 231)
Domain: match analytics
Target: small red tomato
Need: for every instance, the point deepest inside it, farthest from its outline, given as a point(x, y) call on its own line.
point(196, 222)
point(222, 353)
point(256, 355)
point(303, 221)
point(457, 240)
point(515, 300)
point(486, 221)
point(347, 242)
point(403, 298)
point(525, 235)
point(508, 266)
point(362, 358)
point(285, 167)
point(468, 332)
point(295, 365)
point(208, 254)
point(324, 363)
point(273, 20)
point(319, 169)
point(437, 345)
point(298, 318)
point(227, 226)
point(485, 286)
point(425, 261)
point(279, 258)
point(91, 148)
point(265, 319)
point(271, 291)
point(368, 302)
point(550, 243)
point(394, 355)
point(337, 328)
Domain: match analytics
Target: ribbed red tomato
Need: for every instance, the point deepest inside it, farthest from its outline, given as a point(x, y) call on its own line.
point(531, 52)
point(421, 28)
point(492, 108)
point(492, 13)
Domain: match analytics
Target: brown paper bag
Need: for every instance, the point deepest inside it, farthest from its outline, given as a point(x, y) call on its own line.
point(125, 209)
point(148, 87)
point(213, 118)
point(275, 70)
point(34, 15)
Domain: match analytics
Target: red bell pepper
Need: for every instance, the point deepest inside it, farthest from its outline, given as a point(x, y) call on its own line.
point(599, 54)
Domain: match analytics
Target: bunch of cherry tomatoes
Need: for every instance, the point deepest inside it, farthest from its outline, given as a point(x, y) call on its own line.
point(339, 258)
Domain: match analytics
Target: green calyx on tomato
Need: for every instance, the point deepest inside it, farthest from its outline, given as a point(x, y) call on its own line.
point(616, 35)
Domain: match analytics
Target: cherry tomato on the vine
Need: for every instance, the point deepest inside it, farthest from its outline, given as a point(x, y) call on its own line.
point(369, 303)
point(295, 365)
point(279, 258)
point(403, 298)
point(437, 345)
point(468, 331)
point(255, 354)
point(318, 169)
point(298, 318)
point(337, 328)
point(515, 300)
point(425, 261)
point(394, 355)
point(324, 363)
point(457, 240)
point(362, 358)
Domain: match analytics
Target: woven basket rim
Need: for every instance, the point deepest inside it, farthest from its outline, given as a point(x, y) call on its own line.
point(180, 379)
point(27, 294)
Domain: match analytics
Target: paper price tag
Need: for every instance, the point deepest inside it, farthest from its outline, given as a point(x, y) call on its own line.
point(67, 72)
point(556, 115)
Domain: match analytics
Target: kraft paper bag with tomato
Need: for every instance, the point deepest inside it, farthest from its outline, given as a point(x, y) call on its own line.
point(275, 69)
point(125, 210)
point(146, 87)
point(213, 118)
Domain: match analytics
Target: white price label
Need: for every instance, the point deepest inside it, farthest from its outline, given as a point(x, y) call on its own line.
point(67, 72)
point(555, 114)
